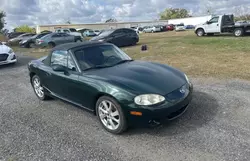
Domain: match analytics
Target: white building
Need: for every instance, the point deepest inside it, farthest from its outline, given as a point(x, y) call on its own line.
point(190, 21)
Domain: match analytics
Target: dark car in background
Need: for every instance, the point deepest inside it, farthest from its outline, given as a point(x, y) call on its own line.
point(32, 41)
point(189, 27)
point(53, 39)
point(101, 78)
point(14, 34)
point(19, 38)
point(119, 37)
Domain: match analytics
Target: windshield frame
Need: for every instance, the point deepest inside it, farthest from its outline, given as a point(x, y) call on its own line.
point(72, 51)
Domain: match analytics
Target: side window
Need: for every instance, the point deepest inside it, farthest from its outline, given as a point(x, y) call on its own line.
point(117, 32)
point(66, 31)
point(56, 35)
point(62, 58)
point(59, 58)
point(214, 20)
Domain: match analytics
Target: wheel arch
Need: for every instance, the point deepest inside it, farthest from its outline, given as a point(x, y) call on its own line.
point(99, 95)
point(200, 28)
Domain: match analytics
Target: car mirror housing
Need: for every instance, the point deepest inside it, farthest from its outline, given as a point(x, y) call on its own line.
point(58, 68)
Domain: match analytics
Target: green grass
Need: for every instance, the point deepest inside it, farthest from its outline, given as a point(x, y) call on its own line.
point(216, 56)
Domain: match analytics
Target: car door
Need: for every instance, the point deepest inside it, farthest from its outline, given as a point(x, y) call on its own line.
point(212, 25)
point(68, 38)
point(57, 38)
point(64, 84)
point(129, 37)
point(117, 37)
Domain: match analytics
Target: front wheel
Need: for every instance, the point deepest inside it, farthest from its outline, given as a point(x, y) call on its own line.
point(78, 40)
point(38, 89)
point(238, 32)
point(200, 32)
point(111, 115)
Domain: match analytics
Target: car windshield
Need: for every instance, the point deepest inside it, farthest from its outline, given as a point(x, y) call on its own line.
point(106, 33)
point(101, 56)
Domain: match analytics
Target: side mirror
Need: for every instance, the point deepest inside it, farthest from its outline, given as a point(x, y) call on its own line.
point(58, 68)
point(208, 22)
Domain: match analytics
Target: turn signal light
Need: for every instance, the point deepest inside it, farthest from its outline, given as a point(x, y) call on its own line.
point(135, 113)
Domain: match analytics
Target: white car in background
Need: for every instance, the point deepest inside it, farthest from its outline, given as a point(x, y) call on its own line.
point(147, 29)
point(7, 55)
point(180, 27)
point(70, 31)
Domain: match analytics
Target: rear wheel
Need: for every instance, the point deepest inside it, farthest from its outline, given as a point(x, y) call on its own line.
point(31, 45)
point(51, 44)
point(78, 40)
point(111, 115)
point(200, 32)
point(238, 32)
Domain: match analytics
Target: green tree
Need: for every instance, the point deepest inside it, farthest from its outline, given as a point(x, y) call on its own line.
point(2, 21)
point(24, 28)
point(245, 17)
point(171, 13)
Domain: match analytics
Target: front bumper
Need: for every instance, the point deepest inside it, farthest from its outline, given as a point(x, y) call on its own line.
point(160, 113)
point(11, 58)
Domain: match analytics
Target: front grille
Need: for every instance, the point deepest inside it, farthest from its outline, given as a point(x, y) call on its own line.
point(3, 57)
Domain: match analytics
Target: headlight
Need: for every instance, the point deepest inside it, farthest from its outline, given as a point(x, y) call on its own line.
point(148, 99)
point(101, 40)
point(10, 51)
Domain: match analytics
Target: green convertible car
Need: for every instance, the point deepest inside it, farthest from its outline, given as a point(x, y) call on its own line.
point(103, 79)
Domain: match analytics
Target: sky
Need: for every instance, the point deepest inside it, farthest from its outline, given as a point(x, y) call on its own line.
point(34, 12)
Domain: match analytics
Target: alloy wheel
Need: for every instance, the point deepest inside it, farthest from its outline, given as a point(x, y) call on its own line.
point(109, 115)
point(238, 33)
point(38, 88)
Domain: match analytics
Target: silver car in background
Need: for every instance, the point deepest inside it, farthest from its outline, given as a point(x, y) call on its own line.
point(148, 29)
point(53, 39)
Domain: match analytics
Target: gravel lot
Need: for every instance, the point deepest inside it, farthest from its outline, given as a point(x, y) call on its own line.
point(215, 127)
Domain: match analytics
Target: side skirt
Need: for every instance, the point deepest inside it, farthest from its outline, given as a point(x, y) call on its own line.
point(67, 100)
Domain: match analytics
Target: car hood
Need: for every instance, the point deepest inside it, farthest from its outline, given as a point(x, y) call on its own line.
point(4, 49)
point(142, 77)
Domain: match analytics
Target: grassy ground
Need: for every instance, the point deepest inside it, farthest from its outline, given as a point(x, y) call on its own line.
point(217, 56)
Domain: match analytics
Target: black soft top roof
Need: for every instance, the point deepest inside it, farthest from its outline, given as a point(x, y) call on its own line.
point(69, 46)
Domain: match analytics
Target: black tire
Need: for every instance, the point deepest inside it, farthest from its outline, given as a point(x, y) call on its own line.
point(123, 122)
point(31, 45)
point(238, 32)
point(210, 34)
point(51, 44)
point(44, 97)
point(78, 40)
point(200, 32)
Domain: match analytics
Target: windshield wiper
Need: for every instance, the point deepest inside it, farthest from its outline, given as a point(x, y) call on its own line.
point(123, 61)
point(96, 67)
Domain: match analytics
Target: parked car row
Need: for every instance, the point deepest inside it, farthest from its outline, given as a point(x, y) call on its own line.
point(119, 37)
point(160, 28)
